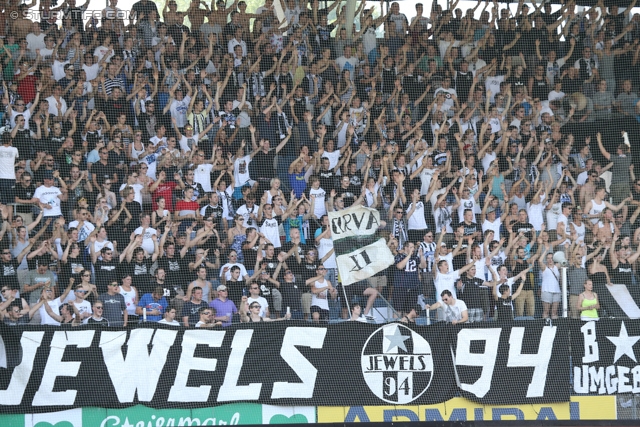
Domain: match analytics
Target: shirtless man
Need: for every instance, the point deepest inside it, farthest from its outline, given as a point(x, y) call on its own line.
point(171, 15)
point(218, 15)
point(21, 26)
point(196, 15)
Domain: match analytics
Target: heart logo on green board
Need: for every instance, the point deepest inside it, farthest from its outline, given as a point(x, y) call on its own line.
point(294, 419)
point(59, 424)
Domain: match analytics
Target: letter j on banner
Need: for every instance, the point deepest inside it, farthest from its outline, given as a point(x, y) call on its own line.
point(359, 252)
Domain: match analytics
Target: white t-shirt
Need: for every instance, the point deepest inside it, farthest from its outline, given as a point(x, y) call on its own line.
point(333, 156)
point(324, 246)
point(101, 51)
point(57, 68)
point(319, 208)
point(187, 144)
point(45, 319)
point(492, 83)
point(147, 242)
point(453, 312)
point(416, 221)
point(26, 114)
point(241, 170)
point(179, 110)
point(49, 196)
point(446, 281)
point(8, 156)
point(91, 71)
point(263, 304)
point(246, 213)
point(137, 191)
point(35, 42)
point(353, 62)
point(83, 233)
point(494, 226)
point(243, 271)
point(320, 300)
point(509, 283)
point(53, 106)
point(202, 175)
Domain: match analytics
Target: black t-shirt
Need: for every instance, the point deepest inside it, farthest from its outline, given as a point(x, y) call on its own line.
point(103, 172)
point(214, 212)
point(105, 273)
point(291, 295)
point(470, 228)
point(177, 270)
point(169, 292)
point(190, 309)
point(35, 262)
point(505, 309)
point(261, 166)
point(235, 291)
point(101, 322)
point(145, 7)
point(140, 272)
point(472, 294)
point(23, 142)
point(10, 273)
point(23, 193)
point(523, 227)
point(327, 180)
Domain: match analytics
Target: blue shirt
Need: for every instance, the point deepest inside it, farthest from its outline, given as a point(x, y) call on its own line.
point(147, 301)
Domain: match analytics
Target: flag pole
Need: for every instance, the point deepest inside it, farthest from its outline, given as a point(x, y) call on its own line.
point(344, 291)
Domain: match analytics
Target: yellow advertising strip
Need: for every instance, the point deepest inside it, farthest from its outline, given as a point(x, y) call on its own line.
point(459, 409)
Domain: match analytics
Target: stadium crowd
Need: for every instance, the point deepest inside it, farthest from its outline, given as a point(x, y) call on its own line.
point(183, 175)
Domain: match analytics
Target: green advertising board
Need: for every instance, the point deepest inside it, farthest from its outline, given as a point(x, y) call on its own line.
point(142, 416)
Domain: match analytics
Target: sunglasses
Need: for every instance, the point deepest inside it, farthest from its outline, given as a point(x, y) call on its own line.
point(254, 306)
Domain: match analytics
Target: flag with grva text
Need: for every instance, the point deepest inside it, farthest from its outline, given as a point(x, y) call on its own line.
point(360, 253)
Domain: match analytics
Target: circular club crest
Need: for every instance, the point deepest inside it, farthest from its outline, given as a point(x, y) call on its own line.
point(397, 364)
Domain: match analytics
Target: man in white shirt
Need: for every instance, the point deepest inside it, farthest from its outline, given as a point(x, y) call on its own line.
point(8, 156)
point(85, 228)
point(178, 105)
point(237, 41)
point(35, 39)
point(146, 231)
point(347, 61)
point(489, 220)
point(446, 280)
point(451, 309)
point(57, 104)
point(50, 196)
point(254, 296)
point(448, 92)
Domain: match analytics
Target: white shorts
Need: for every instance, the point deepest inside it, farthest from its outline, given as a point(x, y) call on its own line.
point(551, 297)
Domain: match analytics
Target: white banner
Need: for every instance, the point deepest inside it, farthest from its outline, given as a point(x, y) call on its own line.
point(359, 254)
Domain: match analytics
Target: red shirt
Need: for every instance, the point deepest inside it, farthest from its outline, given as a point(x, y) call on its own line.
point(27, 88)
point(165, 190)
point(181, 205)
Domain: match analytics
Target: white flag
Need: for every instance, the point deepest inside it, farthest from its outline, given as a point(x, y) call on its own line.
point(359, 253)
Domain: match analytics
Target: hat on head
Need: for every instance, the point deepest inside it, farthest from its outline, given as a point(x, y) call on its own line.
point(443, 244)
point(221, 288)
point(48, 174)
point(491, 209)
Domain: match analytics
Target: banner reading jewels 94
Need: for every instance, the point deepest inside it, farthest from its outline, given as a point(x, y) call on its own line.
point(283, 363)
